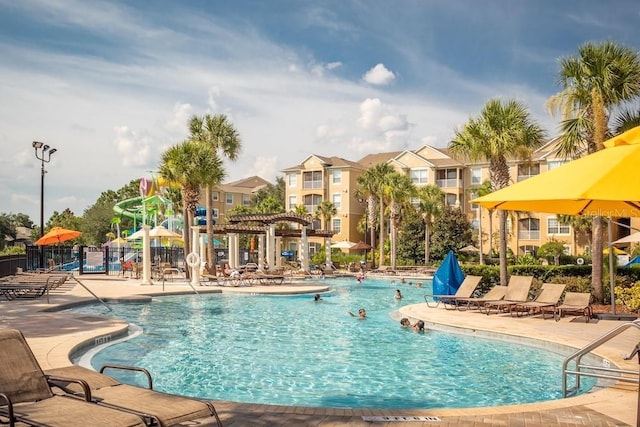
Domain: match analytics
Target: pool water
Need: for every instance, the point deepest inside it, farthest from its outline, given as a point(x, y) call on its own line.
point(290, 350)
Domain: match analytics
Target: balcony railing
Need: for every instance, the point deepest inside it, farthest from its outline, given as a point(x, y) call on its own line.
point(447, 183)
point(312, 184)
point(529, 234)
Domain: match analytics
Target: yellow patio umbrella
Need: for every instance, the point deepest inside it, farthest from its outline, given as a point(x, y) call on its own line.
point(616, 251)
point(600, 184)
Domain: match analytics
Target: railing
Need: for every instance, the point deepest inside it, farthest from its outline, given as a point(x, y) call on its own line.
point(311, 184)
point(529, 235)
point(448, 183)
point(605, 371)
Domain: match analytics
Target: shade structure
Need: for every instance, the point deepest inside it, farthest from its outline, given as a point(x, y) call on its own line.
point(361, 246)
point(137, 235)
point(116, 242)
point(57, 235)
point(631, 238)
point(163, 233)
point(469, 249)
point(448, 277)
point(601, 184)
point(345, 244)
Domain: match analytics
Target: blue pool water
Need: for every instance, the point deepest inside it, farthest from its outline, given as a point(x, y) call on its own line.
point(290, 350)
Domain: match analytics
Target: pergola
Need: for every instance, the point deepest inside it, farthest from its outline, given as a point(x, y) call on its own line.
point(270, 237)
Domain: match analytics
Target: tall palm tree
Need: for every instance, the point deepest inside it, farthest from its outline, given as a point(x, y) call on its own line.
point(431, 206)
point(191, 165)
point(218, 132)
point(372, 182)
point(502, 130)
point(399, 190)
point(324, 212)
point(602, 77)
point(484, 189)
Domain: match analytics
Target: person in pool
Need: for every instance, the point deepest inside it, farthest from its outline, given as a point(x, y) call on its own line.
point(405, 322)
point(418, 326)
point(317, 298)
point(362, 314)
point(398, 294)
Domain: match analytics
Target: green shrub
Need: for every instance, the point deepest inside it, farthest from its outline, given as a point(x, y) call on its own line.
point(629, 296)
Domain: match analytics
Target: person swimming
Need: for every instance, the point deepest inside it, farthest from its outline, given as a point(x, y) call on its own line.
point(317, 298)
point(398, 294)
point(362, 314)
point(405, 322)
point(418, 326)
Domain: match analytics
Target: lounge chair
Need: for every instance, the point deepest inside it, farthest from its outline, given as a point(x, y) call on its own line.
point(26, 396)
point(546, 300)
point(517, 293)
point(466, 290)
point(576, 303)
point(494, 294)
point(155, 407)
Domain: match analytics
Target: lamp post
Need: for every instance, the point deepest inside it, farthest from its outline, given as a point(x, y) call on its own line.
point(43, 153)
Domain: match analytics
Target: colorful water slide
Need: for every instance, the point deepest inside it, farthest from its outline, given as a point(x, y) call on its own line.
point(129, 208)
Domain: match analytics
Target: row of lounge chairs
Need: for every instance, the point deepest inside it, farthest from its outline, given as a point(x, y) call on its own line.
point(75, 396)
point(245, 279)
point(30, 285)
point(514, 299)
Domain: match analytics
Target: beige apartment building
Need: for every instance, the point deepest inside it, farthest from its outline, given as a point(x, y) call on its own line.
point(318, 178)
point(227, 196)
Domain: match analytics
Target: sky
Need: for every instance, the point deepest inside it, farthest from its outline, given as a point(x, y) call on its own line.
point(112, 84)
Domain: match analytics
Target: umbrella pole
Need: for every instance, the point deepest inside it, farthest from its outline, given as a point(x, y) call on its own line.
point(612, 273)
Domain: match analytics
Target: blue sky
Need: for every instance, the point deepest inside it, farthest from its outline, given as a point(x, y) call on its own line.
point(112, 84)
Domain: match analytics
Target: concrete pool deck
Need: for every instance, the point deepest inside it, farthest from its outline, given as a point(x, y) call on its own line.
point(54, 336)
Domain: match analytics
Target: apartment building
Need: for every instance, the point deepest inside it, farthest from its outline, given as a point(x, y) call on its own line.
point(320, 178)
point(229, 195)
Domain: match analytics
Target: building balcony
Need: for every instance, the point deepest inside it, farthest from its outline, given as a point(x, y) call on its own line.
point(529, 235)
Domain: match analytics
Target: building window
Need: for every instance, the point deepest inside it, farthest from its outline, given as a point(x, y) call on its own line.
point(529, 250)
point(293, 201)
point(552, 164)
point(313, 248)
point(336, 176)
point(447, 178)
point(246, 200)
point(419, 176)
point(528, 170)
point(475, 223)
point(229, 197)
point(311, 202)
point(336, 225)
point(554, 227)
point(476, 176)
point(529, 229)
point(451, 200)
point(215, 196)
point(293, 180)
point(214, 212)
point(336, 199)
point(474, 206)
point(312, 180)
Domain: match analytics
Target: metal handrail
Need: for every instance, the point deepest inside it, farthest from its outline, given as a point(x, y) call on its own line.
point(579, 372)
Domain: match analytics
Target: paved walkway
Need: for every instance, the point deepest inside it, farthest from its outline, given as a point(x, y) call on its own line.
point(54, 336)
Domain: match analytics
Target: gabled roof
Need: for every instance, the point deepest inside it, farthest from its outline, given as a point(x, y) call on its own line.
point(328, 162)
point(244, 186)
point(377, 158)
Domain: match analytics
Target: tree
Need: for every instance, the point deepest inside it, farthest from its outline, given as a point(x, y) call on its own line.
point(269, 204)
point(484, 189)
point(431, 206)
point(7, 229)
point(596, 81)
point(410, 248)
point(399, 190)
point(325, 211)
point(372, 184)
point(503, 130)
point(451, 231)
point(191, 165)
point(222, 137)
point(275, 191)
point(552, 249)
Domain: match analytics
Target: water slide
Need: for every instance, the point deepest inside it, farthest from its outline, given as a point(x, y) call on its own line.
point(123, 208)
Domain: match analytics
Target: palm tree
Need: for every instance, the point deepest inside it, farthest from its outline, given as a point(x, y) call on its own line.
point(502, 130)
point(602, 77)
point(431, 206)
point(484, 189)
point(372, 183)
point(325, 211)
point(191, 165)
point(219, 133)
point(399, 189)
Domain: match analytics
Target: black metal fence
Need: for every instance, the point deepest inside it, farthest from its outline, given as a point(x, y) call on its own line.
point(91, 260)
point(9, 264)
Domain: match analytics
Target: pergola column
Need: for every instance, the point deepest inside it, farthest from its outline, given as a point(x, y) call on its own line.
point(304, 249)
point(271, 243)
point(146, 256)
point(195, 271)
point(233, 250)
point(260, 251)
point(327, 253)
point(278, 252)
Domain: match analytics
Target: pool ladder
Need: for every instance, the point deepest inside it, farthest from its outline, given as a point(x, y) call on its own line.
point(580, 369)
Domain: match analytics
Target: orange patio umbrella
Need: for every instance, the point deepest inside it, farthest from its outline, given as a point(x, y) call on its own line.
point(57, 235)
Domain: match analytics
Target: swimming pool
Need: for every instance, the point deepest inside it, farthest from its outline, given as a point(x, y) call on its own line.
point(290, 350)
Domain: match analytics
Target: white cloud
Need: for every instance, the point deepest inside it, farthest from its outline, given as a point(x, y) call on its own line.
point(379, 75)
point(133, 149)
point(265, 167)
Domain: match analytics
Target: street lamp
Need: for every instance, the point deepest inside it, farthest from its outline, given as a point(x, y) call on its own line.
point(43, 153)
